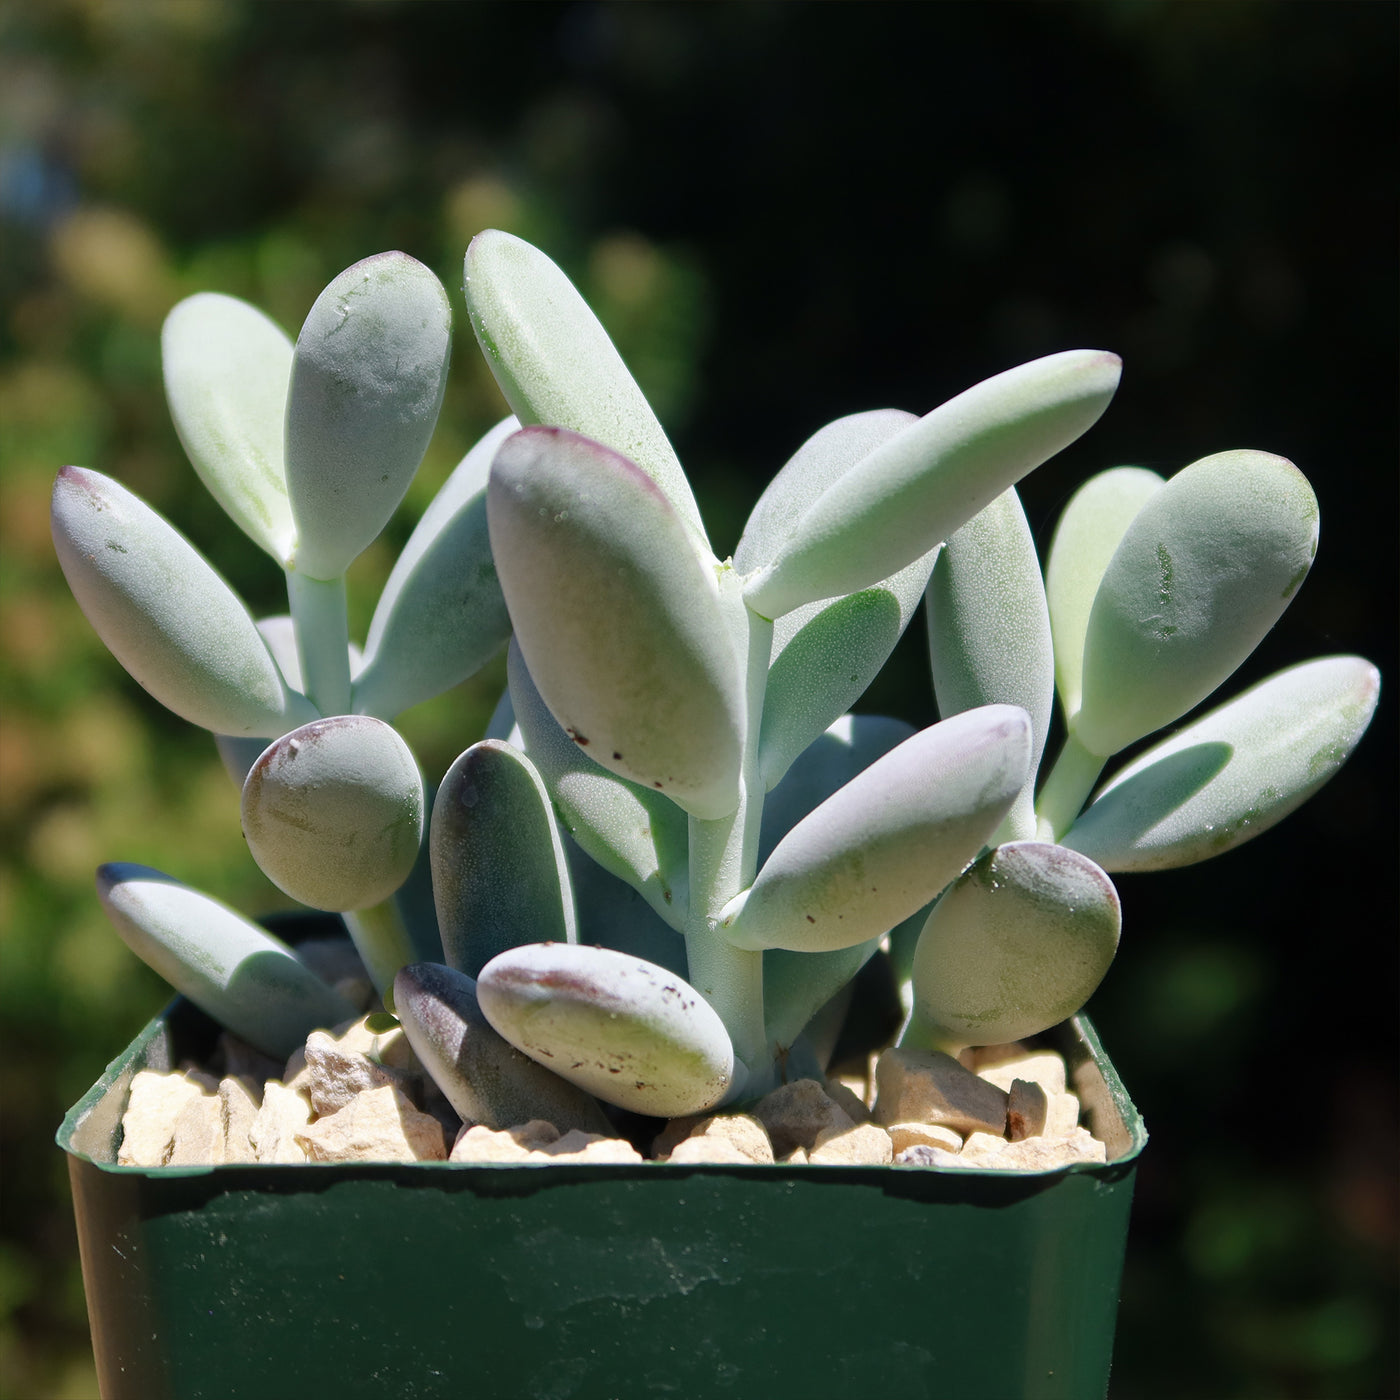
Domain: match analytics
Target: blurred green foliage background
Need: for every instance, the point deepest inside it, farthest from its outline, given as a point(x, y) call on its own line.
point(783, 212)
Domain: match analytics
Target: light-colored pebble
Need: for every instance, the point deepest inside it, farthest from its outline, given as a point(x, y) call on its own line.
point(1061, 1115)
point(198, 1140)
point(927, 1086)
point(377, 1125)
point(518, 1144)
point(579, 1146)
point(283, 1113)
point(729, 1137)
point(1042, 1154)
point(984, 1145)
point(238, 1107)
point(390, 1048)
point(865, 1145)
point(336, 1073)
point(1043, 1067)
point(148, 1125)
point(796, 1158)
point(795, 1113)
point(906, 1135)
point(1027, 1106)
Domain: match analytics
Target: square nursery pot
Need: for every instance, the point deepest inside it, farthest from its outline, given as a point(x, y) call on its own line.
point(596, 1282)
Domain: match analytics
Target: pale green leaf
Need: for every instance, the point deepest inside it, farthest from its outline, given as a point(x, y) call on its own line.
point(633, 832)
point(919, 486)
point(499, 875)
point(1200, 576)
point(441, 615)
point(555, 364)
point(226, 369)
point(485, 1078)
point(164, 613)
point(367, 381)
point(333, 812)
point(619, 620)
point(240, 975)
point(1088, 532)
point(885, 843)
point(989, 630)
point(624, 1030)
point(1019, 943)
point(1235, 772)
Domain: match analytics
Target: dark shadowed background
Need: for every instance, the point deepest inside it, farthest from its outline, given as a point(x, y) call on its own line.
point(783, 212)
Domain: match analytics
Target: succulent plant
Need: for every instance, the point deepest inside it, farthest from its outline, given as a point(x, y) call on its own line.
point(656, 877)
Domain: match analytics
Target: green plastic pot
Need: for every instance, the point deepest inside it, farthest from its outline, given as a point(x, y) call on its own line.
point(596, 1282)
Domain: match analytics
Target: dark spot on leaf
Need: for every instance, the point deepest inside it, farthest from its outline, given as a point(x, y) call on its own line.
point(616, 755)
point(119, 548)
point(576, 737)
point(810, 919)
point(656, 785)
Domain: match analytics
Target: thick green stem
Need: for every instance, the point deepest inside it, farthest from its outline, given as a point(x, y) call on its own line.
point(1067, 788)
point(323, 640)
point(383, 944)
point(723, 862)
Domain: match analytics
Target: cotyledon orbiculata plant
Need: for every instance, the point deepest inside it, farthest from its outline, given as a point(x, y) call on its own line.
point(677, 847)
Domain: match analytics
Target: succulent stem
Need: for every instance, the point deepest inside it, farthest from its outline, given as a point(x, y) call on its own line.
point(323, 640)
point(723, 862)
point(1066, 789)
point(383, 944)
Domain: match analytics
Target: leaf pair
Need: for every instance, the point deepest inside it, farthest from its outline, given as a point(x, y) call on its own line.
point(310, 448)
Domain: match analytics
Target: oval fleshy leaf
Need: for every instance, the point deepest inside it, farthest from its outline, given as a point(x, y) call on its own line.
point(441, 616)
point(848, 747)
point(1089, 530)
point(555, 364)
point(618, 619)
point(633, 832)
point(821, 461)
point(989, 631)
point(1235, 772)
point(333, 812)
point(1200, 576)
point(889, 840)
point(499, 875)
point(1019, 943)
point(165, 614)
point(922, 484)
point(367, 380)
point(825, 656)
point(624, 1030)
point(247, 980)
point(485, 1078)
point(226, 369)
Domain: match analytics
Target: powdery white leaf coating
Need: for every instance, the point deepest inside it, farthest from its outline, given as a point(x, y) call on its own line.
point(243, 977)
point(164, 612)
point(1200, 576)
point(333, 812)
point(226, 367)
point(441, 615)
point(1235, 772)
point(625, 1030)
point(556, 365)
point(499, 875)
point(885, 843)
point(633, 832)
point(916, 488)
point(1087, 534)
point(485, 1078)
point(1016, 945)
point(368, 375)
point(618, 618)
point(989, 630)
